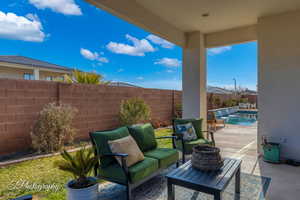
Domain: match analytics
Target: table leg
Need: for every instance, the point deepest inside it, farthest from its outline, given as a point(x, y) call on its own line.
point(171, 195)
point(218, 196)
point(238, 181)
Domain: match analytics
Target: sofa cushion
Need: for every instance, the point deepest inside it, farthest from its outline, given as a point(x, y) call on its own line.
point(101, 139)
point(190, 144)
point(137, 172)
point(114, 172)
point(128, 146)
point(197, 123)
point(144, 136)
point(165, 156)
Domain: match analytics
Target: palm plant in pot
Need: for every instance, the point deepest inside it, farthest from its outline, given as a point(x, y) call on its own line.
point(82, 187)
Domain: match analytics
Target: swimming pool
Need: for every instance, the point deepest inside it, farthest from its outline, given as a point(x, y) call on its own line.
point(243, 118)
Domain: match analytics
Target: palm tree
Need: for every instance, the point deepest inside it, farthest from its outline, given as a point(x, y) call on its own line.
point(85, 77)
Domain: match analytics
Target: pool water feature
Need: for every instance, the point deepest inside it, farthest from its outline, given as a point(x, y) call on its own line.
point(243, 118)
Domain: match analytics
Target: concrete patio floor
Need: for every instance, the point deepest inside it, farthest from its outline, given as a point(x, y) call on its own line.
point(240, 142)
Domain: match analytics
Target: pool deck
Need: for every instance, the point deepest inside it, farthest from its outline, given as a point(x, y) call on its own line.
point(240, 142)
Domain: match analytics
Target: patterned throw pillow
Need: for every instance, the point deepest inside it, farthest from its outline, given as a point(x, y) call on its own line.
point(188, 131)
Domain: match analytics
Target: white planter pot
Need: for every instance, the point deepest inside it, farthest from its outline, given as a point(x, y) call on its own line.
point(89, 193)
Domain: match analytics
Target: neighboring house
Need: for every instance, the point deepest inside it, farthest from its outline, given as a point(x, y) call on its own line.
point(20, 67)
point(249, 92)
point(123, 84)
point(210, 89)
point(217, 90)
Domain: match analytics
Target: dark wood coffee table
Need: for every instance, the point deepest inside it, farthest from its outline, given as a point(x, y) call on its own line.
point(213, 183)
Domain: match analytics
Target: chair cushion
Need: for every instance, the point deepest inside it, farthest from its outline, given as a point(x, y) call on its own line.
point(101, 139)
point(190, 144)
point(144, 136)
point(165, 156)
point(126, 145)
point(137, 172)
point(187, 130)
point(197, 123)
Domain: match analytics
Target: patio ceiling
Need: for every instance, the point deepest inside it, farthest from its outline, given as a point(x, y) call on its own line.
point(223, 15)
point(229, 21)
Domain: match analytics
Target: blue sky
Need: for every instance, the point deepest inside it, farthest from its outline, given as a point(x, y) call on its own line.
point(75, 34)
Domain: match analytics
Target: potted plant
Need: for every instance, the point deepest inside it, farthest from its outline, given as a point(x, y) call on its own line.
point(82, 187)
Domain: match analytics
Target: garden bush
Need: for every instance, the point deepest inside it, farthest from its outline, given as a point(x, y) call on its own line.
point(53, 128)
point(133, 111)
point(178, 110)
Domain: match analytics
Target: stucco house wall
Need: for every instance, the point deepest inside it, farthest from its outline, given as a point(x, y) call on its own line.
point(13, 73)
point(17, 71)
point(279, 70)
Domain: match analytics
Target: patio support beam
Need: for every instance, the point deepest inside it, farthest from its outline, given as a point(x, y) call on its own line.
point(194, 77)
point(232, 36)
point(132, 12)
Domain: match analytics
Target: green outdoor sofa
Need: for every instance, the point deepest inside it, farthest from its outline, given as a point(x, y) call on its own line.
point(156, 159)
point(186, 147)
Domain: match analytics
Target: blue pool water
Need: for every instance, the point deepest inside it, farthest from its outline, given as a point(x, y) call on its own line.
point(243, 118)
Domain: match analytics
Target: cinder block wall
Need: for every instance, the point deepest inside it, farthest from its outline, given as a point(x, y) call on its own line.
point(98, 107)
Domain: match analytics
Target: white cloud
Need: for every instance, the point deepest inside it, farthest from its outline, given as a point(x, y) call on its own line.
point(140, 78)
point(157, 40)
point(120, 70)
point(67, 7)
point(168, 62)
point(103, 59)
point(28, 28)
point(169, 71)
point(92, 56)
point(218, 50)
point(139, 47)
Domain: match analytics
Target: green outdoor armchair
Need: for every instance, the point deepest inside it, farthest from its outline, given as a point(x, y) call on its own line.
point(187, 146)
point(156, 159)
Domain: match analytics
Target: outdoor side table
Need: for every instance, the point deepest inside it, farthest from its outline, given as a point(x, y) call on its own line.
point(213, 182)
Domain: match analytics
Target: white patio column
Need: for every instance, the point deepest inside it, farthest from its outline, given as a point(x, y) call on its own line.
point(194, 77)
point(36, 73)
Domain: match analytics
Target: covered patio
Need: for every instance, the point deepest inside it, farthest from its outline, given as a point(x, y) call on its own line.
point(197, 25)
point(235, 141)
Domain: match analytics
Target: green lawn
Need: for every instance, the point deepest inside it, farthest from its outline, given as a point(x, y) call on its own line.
point(15, 179)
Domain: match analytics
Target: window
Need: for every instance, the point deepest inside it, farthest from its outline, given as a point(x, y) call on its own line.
point(28, 76)
point(49, 78)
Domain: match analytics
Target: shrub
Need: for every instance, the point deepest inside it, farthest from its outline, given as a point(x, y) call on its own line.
point(217, 101)
point(53, 128)
point(244, 100)
point(159, 123)
point(133, 111)
point(156, 124)
point(230, 102)
point(210, 102)
point(178, 111)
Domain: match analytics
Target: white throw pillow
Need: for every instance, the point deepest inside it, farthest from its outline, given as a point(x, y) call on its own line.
point(128, 146)
point(187, 130)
